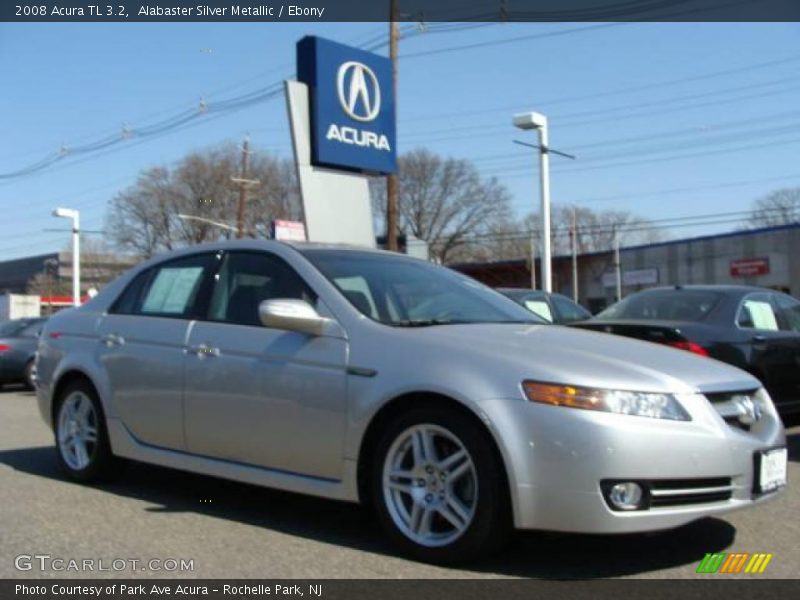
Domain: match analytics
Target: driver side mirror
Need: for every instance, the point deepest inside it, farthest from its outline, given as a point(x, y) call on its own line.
point(293, 315)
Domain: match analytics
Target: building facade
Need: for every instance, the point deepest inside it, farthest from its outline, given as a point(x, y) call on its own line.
point(768, 257)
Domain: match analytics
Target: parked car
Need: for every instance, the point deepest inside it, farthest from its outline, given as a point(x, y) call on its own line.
point(375, 377)
point(755, 329)
point(18, 339)
point(553, 308)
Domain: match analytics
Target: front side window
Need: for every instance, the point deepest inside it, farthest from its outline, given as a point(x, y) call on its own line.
point(757, 312)
point(540, 308)
point(248, 278)
point(402, 291)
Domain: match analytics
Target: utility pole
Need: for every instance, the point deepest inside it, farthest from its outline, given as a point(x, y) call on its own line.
point(391, 179)
point(244, 185)
point(574, 236)
point(617, 264)
point(533, 260)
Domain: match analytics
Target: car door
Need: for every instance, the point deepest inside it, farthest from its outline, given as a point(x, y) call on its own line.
point(788, 310)
point(261, 396)
point(141, 346)
point(771, 350)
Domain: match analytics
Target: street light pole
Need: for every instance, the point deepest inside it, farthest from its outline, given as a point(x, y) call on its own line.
point(574, 236)
point(617, 265)
point(538, 121)
point(74, 215)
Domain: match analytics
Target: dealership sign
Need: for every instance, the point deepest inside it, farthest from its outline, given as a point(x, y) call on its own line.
point(351, 96)
point(633, 277)
point(294, 231)
point(749, 267)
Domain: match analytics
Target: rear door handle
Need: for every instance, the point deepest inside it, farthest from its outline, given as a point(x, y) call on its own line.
point(759, 339)
point(204, 350)
point(113, 339)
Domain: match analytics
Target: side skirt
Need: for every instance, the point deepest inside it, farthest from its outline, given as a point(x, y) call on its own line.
point(125, 445)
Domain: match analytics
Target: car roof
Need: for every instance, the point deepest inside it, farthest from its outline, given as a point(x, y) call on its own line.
point(729, 288)
point(512, 290)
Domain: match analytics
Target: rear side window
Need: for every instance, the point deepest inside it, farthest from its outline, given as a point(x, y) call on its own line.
point(757, 312)
point(171, 289)
point(568, 310)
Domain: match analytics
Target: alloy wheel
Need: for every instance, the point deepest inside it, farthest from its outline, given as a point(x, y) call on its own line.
point(77, 430)
point(430, 485)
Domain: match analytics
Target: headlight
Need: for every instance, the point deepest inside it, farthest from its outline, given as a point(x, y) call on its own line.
point(640, 404)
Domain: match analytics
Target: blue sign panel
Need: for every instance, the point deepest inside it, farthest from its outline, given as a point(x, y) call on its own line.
point(352, 106)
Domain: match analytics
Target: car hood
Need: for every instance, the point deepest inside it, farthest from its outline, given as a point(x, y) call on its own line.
point(559, 354)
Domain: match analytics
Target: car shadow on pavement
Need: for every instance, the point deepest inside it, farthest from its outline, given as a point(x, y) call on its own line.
point(529, 554)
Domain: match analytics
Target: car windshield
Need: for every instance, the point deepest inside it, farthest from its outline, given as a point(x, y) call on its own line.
point(405, 292)
point(12, 328)
point(664, 305)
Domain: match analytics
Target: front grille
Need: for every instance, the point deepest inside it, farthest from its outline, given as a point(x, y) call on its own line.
point(678, 492)
point(732, 407)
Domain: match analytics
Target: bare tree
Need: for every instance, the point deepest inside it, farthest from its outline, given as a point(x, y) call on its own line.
point(778, 208)
point(144, 218)
point(445, 202)
point(595, 229)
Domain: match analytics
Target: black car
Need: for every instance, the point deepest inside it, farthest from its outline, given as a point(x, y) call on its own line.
point(18, 341)
point(755, 329)
point(553, 308)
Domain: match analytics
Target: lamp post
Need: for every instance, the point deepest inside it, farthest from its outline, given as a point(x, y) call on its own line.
point(534, 120)
point(74, 215)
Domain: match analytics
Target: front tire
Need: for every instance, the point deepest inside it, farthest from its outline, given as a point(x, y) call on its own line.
point(84, 452)
point(438, 487)
point(30, 382)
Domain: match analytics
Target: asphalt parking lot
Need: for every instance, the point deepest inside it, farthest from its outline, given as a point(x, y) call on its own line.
point(231, 530)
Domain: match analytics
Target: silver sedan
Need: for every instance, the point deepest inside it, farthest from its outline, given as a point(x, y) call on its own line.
point(377, 378)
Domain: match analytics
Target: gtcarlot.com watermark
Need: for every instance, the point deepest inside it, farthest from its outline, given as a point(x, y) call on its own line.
point(47, 562)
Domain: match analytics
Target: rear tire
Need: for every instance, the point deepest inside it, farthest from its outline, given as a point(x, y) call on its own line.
point(84, 452)
point(438, 487)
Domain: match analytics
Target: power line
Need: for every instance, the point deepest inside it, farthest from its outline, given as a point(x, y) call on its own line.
point(620, 91)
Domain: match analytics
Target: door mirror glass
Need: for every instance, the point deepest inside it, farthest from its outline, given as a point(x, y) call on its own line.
point(292, 315)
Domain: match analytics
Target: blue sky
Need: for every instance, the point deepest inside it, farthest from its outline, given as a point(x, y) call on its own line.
point(666, 119)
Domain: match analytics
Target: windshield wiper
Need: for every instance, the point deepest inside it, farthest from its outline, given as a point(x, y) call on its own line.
point(430, 322)
point(425, 322)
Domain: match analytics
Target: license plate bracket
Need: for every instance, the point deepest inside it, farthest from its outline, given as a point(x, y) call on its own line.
point(769, 473)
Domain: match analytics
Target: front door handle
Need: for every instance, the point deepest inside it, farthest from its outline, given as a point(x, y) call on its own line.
point(113, 339)
point(204, 350)
point(759, 339)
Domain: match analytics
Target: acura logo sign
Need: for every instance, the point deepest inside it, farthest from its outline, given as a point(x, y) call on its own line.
point(359, 92)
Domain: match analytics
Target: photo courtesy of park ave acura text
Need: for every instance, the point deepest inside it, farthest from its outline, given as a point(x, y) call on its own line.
point(350, 299)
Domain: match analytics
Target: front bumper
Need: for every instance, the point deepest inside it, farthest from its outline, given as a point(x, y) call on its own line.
point(557, 458)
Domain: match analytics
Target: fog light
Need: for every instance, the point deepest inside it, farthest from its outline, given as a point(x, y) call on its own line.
point(626, 496)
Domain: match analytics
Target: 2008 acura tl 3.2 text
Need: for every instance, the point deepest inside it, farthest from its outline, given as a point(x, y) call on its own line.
point(374, 377)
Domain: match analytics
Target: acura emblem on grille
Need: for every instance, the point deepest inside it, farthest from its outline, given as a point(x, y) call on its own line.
point(749, 411)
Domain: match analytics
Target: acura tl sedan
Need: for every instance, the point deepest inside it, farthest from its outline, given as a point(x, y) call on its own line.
point(377, 378)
